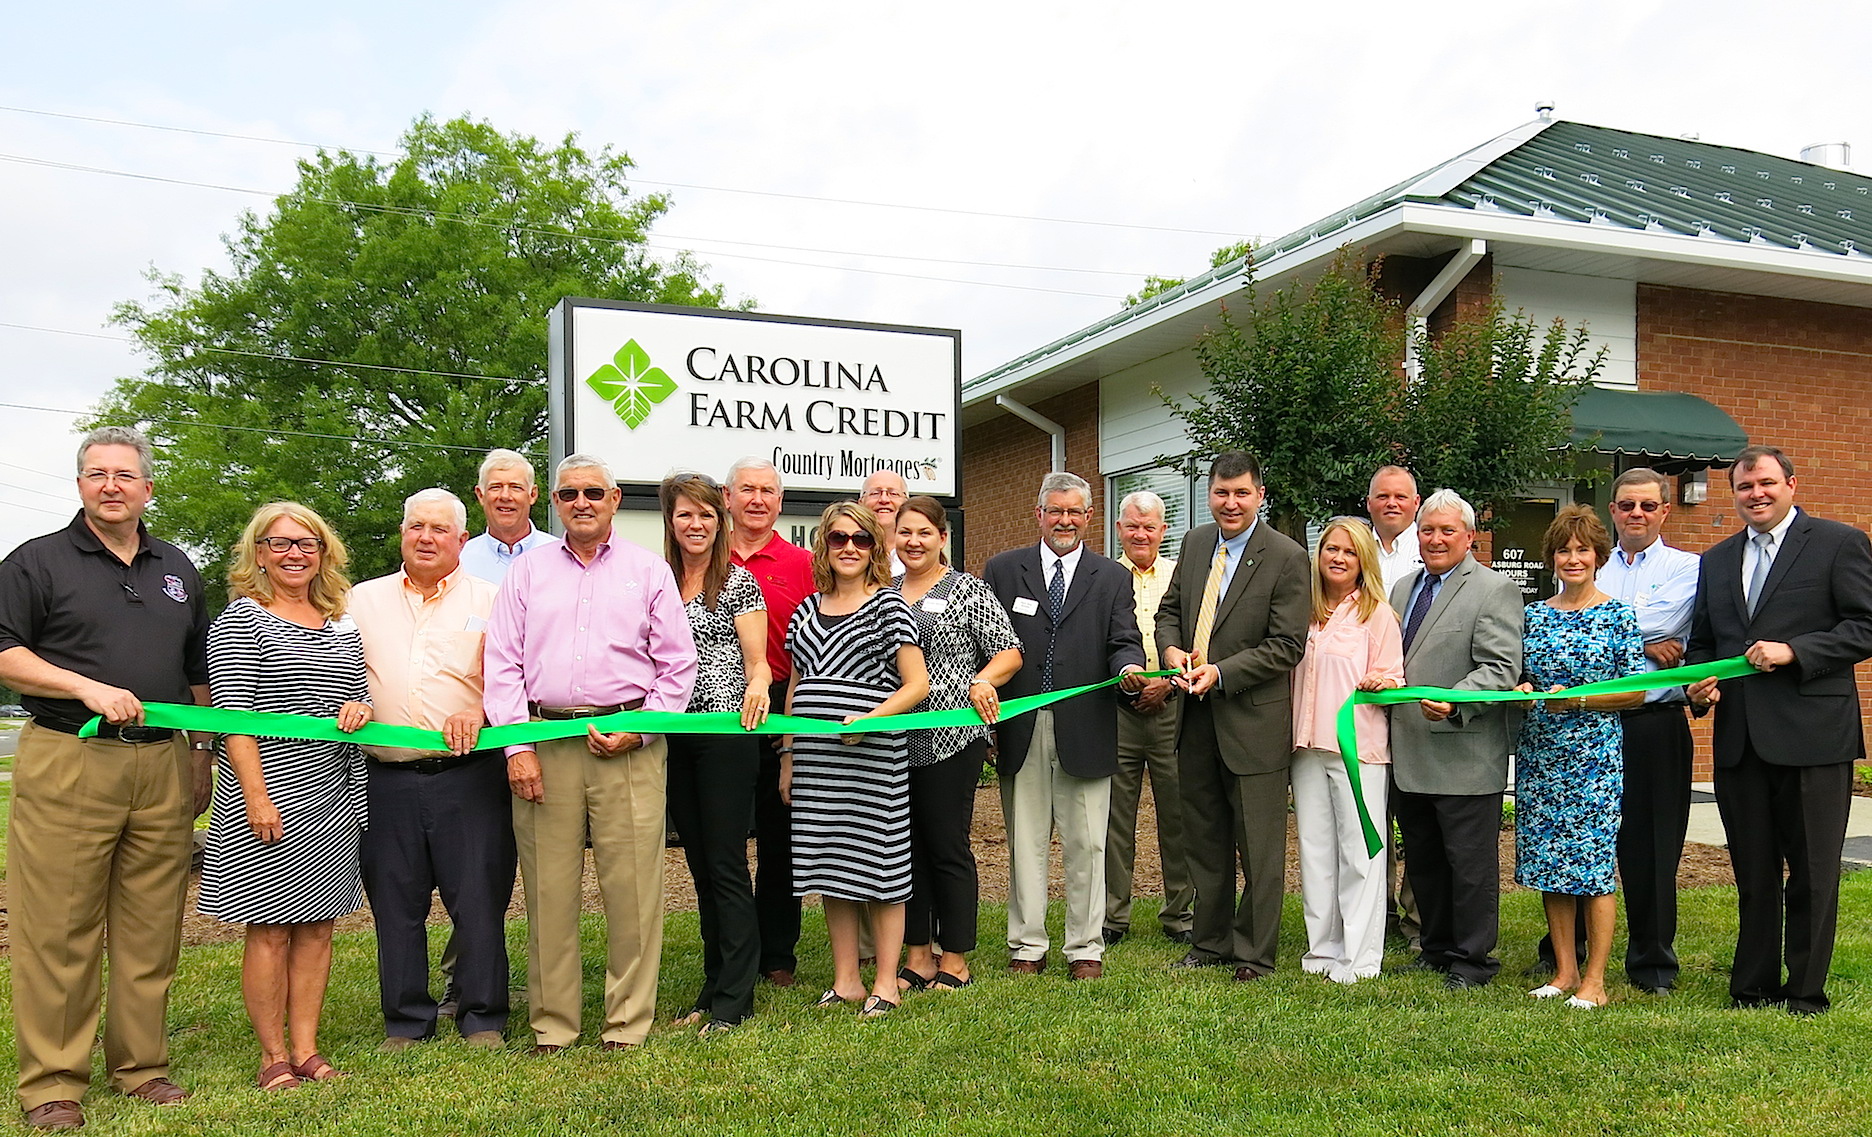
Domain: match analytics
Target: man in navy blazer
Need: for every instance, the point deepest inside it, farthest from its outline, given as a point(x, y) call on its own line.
point(1073, 611)
point(1794, 594)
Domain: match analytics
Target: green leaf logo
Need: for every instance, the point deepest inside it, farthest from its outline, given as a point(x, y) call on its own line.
point(631, 384)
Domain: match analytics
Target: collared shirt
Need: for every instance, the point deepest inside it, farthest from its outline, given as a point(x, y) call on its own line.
point(141, 626)
point(569, 634)
point(784, 572)
point(1338, 654)
point(1403, 559)
point(489, 559)
point(1235, 546)
point(1660, 584)
point(1751, 552)
point(1147, 589)
point(422, 655)
point(1069, 563)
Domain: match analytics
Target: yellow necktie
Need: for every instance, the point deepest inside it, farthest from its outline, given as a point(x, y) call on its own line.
point(1205, 614)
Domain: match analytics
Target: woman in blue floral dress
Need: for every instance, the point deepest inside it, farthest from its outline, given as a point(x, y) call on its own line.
point(1569, 767)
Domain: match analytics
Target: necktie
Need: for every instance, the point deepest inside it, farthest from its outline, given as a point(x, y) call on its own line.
point(1056, 600)
point(1205, 613)
point(1418, 608)
point(1764, 560)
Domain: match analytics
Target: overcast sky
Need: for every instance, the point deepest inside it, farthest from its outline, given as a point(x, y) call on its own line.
point(1109, 140)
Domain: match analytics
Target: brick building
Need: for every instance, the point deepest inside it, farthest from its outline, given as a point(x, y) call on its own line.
point(1732, 291)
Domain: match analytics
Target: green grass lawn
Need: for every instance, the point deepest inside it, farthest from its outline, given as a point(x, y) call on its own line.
point(1143, 1051)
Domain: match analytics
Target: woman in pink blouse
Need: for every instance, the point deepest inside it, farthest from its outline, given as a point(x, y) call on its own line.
point(1354, 641)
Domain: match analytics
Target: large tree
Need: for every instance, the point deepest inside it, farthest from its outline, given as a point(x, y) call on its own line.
point(380, 328)
point(1311, 381)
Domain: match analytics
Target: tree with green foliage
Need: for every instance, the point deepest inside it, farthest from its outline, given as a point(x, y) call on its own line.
point(380, 329)
point(1311, 381)
point(1157, 285)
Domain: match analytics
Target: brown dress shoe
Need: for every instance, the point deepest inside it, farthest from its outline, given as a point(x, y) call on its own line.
point(545, 1050)
point(162, 1091)
point(1026, 966)
point(779, 977)
point(614, 1046)
point(1085, 969)
point(56, 1115)
point(1246, 974)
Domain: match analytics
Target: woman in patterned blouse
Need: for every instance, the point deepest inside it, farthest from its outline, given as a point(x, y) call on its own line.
point(971, 649)
point(712, 776)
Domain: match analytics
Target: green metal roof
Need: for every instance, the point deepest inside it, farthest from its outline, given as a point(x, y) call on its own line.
point(1686, 432)
point(1594, 175)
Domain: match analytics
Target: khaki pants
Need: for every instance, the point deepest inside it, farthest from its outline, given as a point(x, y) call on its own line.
point(1035, 801)
point(620, 801)
point(99, 837)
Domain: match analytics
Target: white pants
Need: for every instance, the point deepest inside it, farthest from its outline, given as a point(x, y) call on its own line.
point(1034, 801)
point(1342, 888)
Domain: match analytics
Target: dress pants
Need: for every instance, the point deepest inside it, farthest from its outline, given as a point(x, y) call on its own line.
point(1040, 797)
point(1342, 892)
point(449, 832)
point(1400, 901)
point(1794, 815)
point(99, 837)
point(1227, 816)
point(711, 793)
point(1452, 844)
point(1147, 742)
point(945, 889)
point(776, 908)
point(620, 803)
point(1654, 819)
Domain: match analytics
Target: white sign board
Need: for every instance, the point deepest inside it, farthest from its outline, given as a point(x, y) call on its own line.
point(654, 388)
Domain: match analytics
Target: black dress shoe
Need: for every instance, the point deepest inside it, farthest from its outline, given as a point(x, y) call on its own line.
point(1112, 935)
point(1419, 963)
point(1183, 937)
point(1246, 974)
point(1456, 981)
point(1197, 959)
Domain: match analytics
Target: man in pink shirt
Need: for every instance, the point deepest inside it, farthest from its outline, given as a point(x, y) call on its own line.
point(586, 626)
point(784, 572)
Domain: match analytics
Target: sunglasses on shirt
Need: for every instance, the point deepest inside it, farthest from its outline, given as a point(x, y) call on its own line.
point(835, 539)
point(571, 493)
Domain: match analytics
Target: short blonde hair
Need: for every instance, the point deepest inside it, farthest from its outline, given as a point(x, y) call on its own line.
point(330, 588)
point(1370, 590)
point(877, 573)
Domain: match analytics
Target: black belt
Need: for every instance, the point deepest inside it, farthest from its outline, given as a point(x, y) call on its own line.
point(563, 713)
point(435, 765)
point(127, 732)
point(1654, 708)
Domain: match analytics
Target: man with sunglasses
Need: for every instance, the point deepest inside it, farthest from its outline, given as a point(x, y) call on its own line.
point(584, 627)
point(95, 620)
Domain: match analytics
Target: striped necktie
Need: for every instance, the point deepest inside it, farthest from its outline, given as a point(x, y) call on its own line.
point(1056, 600)
point(1206, 612)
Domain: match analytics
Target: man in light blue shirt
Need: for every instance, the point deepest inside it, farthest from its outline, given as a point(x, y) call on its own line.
point(1660, 584)
point(506, 491)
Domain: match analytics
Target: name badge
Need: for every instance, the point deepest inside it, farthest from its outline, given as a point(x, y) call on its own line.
point(934, 604)
point(1025, 607)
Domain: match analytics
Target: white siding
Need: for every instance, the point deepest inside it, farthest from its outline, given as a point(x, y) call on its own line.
point(1608, 308)
point(1134, 425)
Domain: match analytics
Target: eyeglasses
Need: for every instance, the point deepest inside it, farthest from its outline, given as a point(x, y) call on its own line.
point(838, 539)
point(1052, 513)
point(571, 493)
point(1634, 506)
point(886, 494)
point(281, 544)
point(113, 477)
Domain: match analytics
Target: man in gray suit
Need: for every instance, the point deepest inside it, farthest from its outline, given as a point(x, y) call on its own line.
point(1462, 629)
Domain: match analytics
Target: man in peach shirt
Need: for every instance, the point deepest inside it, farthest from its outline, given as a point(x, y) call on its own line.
point(439, 820)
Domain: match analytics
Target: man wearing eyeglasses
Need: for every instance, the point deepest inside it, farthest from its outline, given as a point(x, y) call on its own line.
point(506, 493)
point(584, 627)
point(95, 620)
point(1074, 613)
point(883, 492)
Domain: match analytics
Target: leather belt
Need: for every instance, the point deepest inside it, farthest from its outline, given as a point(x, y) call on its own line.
point(126, 732)
point(561, 713)
point(1654, 708)
point(435, 765)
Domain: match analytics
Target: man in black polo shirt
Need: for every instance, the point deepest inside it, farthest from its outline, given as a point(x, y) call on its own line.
point(94, 619)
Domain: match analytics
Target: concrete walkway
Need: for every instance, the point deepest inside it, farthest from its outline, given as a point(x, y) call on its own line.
point(1706, 827)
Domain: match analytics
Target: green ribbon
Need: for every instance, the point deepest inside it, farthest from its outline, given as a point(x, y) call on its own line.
point(1733, 668)
point(266, 724)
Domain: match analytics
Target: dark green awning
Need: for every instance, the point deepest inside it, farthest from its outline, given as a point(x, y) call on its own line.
point(1681, 430)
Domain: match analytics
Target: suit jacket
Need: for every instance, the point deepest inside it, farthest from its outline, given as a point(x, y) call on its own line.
point(1260, 633)
point(1817, 600)
point(1095, 638)
point(1470, 640)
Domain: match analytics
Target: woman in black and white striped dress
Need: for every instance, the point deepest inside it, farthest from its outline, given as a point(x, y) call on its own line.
point(855, 655)
point(282, 852)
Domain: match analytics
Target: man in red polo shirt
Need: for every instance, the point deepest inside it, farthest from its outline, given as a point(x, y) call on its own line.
point(784, 572)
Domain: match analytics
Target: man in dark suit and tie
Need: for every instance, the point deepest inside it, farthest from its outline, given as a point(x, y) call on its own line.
point(1072, 609)
point(1794, 594)
point(1234, 622)
point(1449, 763)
